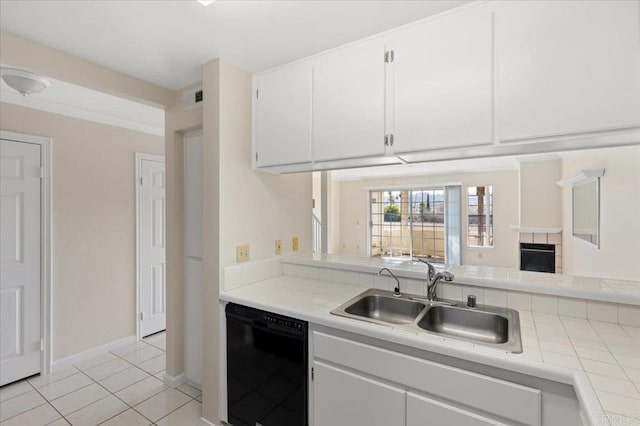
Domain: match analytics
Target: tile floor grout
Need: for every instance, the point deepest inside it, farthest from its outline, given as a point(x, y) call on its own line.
point(158, 339)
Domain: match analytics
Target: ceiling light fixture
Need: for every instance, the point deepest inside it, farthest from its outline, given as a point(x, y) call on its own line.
point(205, 2)
point(25, 82)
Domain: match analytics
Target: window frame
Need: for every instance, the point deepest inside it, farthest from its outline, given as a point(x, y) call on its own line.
point(466, 215)
point(409, 189)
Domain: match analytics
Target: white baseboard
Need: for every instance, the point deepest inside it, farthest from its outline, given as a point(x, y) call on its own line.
point(91, 353)
point(174, 381)
point(205, 422)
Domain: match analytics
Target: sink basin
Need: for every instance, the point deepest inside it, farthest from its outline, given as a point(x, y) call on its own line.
point(386, 308)
point(481, 326)
point(490, 326)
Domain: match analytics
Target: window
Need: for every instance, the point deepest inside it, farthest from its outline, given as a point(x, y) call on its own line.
point(480, 216)
point(408, 224)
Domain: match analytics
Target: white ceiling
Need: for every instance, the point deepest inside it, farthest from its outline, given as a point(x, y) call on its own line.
point(166, 41)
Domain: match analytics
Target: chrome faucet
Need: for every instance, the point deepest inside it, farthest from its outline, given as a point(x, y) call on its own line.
point(431, 287)
point(432, 270)
point(396, 290)
point(433, 278)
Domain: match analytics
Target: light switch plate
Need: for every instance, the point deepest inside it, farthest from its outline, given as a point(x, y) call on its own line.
point(278, 246)
point(242, 253)
point(296, 245)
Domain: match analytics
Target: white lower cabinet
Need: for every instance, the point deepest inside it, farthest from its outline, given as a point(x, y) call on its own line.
point(423, 411)
point(344, 398)
point(359, 384)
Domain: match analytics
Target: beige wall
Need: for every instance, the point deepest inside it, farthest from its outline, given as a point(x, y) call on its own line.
point(540, 196)
point(354, 220)
point(619, 215)
point(93, 225)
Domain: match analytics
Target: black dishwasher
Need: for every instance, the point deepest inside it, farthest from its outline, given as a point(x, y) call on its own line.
point(267, 357)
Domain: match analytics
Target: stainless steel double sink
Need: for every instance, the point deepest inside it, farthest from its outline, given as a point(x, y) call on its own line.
point(491, 326)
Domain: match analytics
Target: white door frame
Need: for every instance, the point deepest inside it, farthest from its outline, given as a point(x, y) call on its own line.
point(46, 309)
point(140, 156)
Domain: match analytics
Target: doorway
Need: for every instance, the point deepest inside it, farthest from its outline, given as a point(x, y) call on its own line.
point(151, 244)
point(25, 290)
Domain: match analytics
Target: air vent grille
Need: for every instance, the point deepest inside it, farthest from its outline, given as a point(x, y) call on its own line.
point(192, 98)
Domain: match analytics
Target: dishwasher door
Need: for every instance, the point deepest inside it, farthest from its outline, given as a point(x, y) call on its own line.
point(267, 381)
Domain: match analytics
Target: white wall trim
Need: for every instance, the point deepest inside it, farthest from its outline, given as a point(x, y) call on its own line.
point(205, 422)
point(139, 156)
point(46, 309)
point(174, 381)
point(92, 353)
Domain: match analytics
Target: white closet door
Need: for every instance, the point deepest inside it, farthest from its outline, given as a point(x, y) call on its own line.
point(152, 248)
point(19, 260)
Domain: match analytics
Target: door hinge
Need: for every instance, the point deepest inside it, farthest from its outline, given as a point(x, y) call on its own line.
point(41, 172)
point(141, 181)
point(141, 316)
point(256, 157)
point(313, 376)
point(41, 345)
point(257, 94)
point(388, 56)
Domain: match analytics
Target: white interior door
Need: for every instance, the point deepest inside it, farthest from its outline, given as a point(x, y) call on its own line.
point(152, 247)
point(20, 277)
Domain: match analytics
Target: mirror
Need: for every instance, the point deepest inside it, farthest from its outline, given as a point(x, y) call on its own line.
point(586, 211)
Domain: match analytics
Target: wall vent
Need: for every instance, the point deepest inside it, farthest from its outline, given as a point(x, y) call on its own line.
point(192, 98)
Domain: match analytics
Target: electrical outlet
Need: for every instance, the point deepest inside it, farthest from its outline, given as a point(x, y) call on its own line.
point(296, 244)
point(278, 246)
point(242, 253)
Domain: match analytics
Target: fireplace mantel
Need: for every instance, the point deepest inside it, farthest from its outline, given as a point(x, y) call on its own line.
point(537, 230)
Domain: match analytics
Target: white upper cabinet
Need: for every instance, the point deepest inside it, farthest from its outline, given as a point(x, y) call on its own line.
point(442, 82)
point(566, 67)
point(283, 116)
point(349, 102)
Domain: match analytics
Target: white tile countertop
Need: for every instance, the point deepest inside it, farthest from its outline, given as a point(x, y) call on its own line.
point(600, 360)
point(599, 289)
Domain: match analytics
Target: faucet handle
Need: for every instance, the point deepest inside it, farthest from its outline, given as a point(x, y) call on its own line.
point(471, 301)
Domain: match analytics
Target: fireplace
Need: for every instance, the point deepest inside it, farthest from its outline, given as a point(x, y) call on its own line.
point(538, 257)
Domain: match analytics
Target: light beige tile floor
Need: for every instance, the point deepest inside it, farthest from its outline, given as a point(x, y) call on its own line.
point(121, 387)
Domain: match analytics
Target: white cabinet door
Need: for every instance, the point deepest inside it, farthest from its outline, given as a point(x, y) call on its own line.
point(442, 90)
point(422, 411)
point(566, 67)
point(344, 398)
point(283, 116)
point(349, 102)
